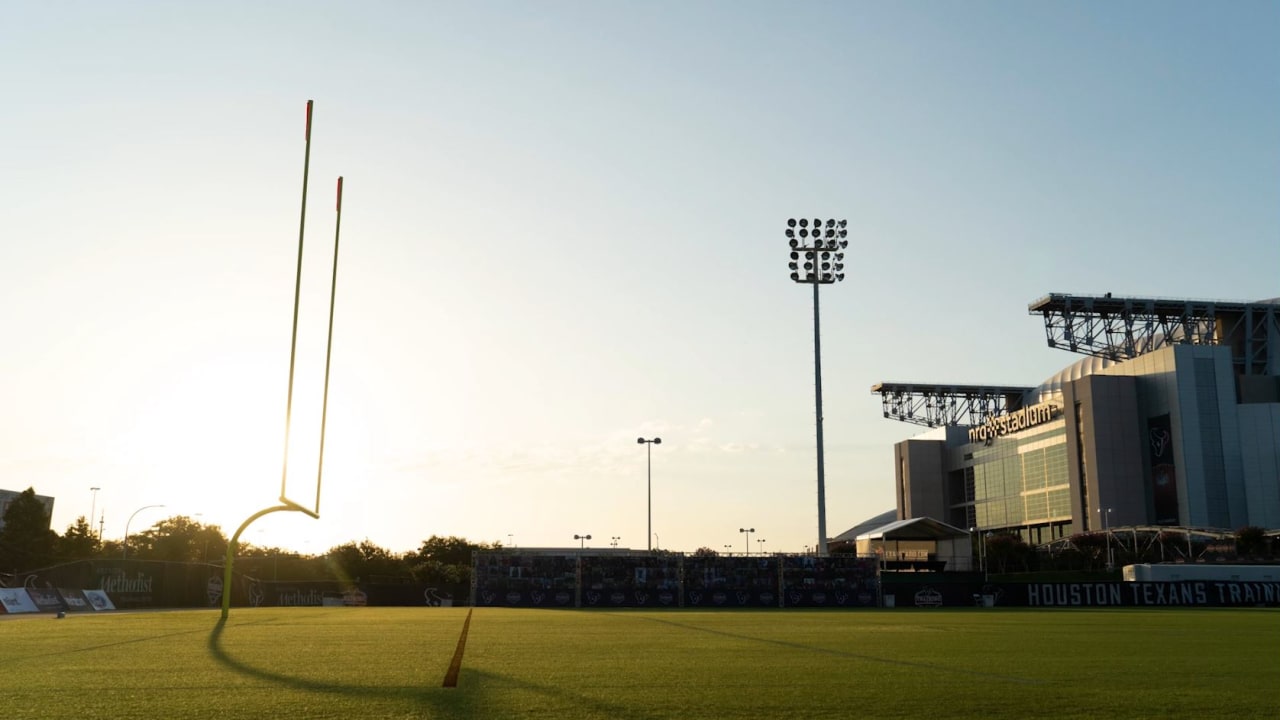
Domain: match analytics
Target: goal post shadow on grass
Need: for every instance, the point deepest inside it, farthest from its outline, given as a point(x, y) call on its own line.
point(286, 503)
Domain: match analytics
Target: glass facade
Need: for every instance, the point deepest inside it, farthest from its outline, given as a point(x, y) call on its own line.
point(1016, 482)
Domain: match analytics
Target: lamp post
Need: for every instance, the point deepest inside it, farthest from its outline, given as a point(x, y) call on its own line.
point(982, 552)
point(1106, 528)
point(729, 548)
point(816, 247)
point(613, 540)
point(748, 531)
point(649, 484)
point(93, 506)
point(582, 540)
point(761, 543)
point(124, 551)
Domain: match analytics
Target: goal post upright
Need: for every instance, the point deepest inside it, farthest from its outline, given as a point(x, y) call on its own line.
point(288, 504)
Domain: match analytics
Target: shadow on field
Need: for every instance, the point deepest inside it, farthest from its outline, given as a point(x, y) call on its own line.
point(856, 656)
point(219, 654)
point(478, 695)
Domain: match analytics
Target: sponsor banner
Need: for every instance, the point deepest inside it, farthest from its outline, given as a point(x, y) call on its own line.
point(98, 600)
point(75, 600)
point(731, 597)
point(627, 597)
point(837, 597)
point(47, 599)
point(127, 590)
point(551, 598)
point(1190, 593)
point(16, 600)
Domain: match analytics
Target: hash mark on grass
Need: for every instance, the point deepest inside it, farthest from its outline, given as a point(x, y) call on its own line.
point(455, 666)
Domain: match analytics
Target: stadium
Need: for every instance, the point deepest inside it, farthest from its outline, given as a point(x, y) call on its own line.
point(1170, 423)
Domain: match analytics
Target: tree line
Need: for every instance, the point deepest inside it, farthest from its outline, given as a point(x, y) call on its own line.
point(27, 543)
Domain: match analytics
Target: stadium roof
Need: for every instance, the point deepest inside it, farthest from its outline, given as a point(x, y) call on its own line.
point(867, 525)
point(921, 528)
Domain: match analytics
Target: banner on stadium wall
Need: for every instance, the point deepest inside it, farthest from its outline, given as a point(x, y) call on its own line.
point(16, 600)
point(1198, 593)
point(838, 597)
point(98, 600)
point(1190, 593)
point(731, 597)
point(1164, 476)
point(630, 597)
point(553, 598)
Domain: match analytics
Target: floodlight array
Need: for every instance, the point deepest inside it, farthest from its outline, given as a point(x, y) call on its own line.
point(817, 250)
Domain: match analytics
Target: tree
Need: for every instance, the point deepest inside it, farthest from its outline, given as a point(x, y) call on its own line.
point(1251, 541)
point(1007, 552)
point(705, 552)
point(179, 539)
point(445, 560)
point(26, 542)
point(365, 560)
point(79, 542)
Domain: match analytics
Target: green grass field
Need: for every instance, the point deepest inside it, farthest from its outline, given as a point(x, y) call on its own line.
point(390, 662)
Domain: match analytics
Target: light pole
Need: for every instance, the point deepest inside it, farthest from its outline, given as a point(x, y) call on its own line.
point(982, 552)
point(582, 540)
point(649, 485)
point(1106, 528)
point(761, 542)
point(124, 551)
point(93, 506)
point(823, 263)
point(729, 548)
point(613, 540)
point(748, 531)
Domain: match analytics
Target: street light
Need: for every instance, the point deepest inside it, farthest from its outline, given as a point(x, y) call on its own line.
point(1106, 528)
point(582, 540)
point(614, 540)
point(817, 248)
point(748, 531)
point(982, 552)
point(762, 541)
point(649, 454)
point(124, 552)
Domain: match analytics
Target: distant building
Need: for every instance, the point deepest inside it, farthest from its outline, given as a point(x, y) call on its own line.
point(8, 496)
point(1174, 419)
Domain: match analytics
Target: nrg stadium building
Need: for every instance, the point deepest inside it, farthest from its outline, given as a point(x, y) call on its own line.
point(1171, 419)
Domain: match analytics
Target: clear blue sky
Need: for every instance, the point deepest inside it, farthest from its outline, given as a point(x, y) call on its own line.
point(563, 230)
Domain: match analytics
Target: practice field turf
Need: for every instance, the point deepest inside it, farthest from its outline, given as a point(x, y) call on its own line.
point(391, 662)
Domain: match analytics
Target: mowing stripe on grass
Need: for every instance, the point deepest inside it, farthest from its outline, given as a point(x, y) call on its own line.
point(846, 654)
point(451, 677)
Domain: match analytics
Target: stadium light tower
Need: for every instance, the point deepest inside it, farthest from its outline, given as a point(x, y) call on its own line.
point(748, 531)
point(649, 484)
point(817, 258)
point(582, 540)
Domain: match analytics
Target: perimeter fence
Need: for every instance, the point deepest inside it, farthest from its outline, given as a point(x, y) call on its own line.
point(568, 579)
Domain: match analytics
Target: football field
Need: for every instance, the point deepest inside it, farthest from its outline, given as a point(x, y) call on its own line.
point(392, 662)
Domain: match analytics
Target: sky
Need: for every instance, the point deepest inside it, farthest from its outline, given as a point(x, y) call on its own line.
point(562, 230)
